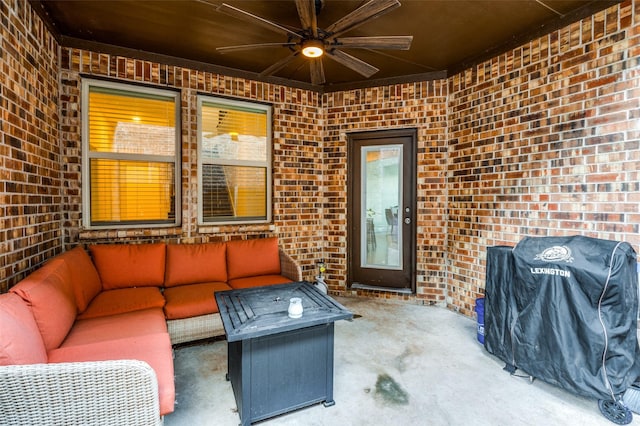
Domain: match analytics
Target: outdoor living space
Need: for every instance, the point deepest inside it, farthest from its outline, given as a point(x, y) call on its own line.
point(135, 126)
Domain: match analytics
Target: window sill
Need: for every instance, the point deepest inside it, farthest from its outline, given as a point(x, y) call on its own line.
point(228, 227)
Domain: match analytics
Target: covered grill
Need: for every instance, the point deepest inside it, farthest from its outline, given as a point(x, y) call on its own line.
point(564, 310)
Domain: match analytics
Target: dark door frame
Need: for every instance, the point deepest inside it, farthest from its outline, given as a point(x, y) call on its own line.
point(351, 229)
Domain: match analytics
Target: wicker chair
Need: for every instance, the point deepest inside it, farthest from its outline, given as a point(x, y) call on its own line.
point(114, 393)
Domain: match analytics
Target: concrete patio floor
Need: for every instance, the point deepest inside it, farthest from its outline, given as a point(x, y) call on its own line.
point(395, 364)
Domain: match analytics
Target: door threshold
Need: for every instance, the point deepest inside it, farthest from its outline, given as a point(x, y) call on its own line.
point(358, 286)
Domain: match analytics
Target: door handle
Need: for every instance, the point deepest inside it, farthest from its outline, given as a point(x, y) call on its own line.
point(407, 220)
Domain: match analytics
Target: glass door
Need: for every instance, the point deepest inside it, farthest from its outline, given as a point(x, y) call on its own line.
point(381, 210)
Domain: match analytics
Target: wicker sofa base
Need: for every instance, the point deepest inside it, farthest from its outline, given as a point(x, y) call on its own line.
point(195, 328)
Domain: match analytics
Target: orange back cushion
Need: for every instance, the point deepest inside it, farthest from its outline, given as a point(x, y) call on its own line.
point(195, 263)
point(249, 258)
point(49, 294)
point(20, 339)
point(85, 280)
point(129, 265)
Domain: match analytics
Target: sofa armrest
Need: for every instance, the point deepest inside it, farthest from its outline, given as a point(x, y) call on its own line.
point(121, 392)
point(288, 267)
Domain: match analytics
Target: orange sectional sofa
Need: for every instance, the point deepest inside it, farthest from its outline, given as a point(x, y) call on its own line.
point(88, 340)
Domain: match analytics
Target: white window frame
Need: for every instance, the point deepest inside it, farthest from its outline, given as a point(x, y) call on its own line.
point(267, 164)
point(87, 155)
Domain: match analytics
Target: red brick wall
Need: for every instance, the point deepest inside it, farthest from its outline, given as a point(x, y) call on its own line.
point(541, 140)
point(30, 176)
point(297, 154)
point(544, 140)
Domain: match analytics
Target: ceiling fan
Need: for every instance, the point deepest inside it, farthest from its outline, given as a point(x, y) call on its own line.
point(314, 42)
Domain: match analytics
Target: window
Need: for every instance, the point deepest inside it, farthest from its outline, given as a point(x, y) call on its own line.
point(130, 166)
point(234, 161)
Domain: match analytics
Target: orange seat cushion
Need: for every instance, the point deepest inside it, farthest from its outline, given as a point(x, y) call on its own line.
point(192, 300)
point(129, 265)
point(258, 281)
point(85, 280)
point(249, 258)
point(20, 339)
point(119, 326)
point(112, 302)
point(48, 293)
point(195, 263)
point(154, 349)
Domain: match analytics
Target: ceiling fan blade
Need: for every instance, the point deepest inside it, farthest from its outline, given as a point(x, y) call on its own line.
point(380, 42)
point(307, 13)
point(280, 64)
point(317, 71)
point(254, 19)
point(242, 47)
point(352, 62)
point(367, 11)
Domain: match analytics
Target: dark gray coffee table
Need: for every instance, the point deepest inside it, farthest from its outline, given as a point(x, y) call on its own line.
point(277, 364)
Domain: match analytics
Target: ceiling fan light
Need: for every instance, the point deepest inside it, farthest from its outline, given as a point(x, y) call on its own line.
point(312, 48)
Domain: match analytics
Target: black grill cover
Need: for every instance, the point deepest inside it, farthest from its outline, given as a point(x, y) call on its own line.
point(564, 310)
